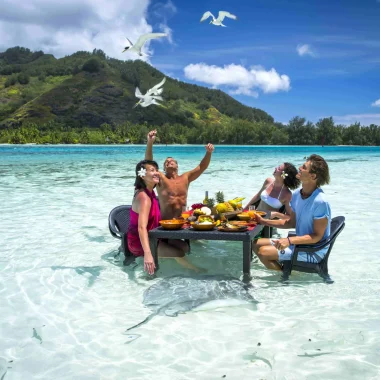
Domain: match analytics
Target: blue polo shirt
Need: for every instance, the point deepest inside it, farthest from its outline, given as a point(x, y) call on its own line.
point(307, 210)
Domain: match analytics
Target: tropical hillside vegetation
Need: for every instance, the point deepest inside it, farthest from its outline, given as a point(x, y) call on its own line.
point(89, 97)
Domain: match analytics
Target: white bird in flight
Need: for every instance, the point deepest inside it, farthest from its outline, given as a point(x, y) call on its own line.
point(150, 100)
point(151, 96)
point(218, 21)
point(156, 90)
point(141, 41)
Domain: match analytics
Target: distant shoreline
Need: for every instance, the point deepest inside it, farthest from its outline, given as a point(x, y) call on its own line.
point(182, 145)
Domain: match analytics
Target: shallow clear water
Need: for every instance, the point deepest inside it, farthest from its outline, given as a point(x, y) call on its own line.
point(66, 302)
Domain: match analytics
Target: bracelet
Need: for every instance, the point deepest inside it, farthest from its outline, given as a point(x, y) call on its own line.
point(290, 243)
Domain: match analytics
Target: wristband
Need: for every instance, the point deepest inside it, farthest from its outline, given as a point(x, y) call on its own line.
point(290, 243)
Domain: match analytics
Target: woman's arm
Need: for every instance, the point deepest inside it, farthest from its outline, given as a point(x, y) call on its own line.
point(256, 197)
point(143, 204)
point(288, 210)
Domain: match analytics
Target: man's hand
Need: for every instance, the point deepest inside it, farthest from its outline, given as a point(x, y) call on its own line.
point(259, 219)
point(280, 244)
point(209, 147)
point(152, 135)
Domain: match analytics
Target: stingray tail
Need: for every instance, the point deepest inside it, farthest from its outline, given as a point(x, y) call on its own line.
point(147, 319)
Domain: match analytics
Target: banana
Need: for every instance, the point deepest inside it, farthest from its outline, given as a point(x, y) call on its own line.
point(234, 202)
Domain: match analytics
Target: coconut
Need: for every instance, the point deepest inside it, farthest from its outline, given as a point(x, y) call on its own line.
point(206, 210)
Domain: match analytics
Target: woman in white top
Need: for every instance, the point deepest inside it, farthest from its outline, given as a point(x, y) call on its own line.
point(276, 192)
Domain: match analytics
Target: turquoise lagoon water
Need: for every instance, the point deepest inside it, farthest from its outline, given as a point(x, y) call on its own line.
point(66, 302)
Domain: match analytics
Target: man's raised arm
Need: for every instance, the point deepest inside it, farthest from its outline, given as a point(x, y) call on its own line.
point(149, 145)
point(195, 173)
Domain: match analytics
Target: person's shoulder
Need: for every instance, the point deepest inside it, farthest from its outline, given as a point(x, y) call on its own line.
point(320, 199)
point(296, 193)
point(142, 196)
point(268, 181)
point(321, 196)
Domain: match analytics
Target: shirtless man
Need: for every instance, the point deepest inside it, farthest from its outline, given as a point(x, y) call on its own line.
point(172, 189)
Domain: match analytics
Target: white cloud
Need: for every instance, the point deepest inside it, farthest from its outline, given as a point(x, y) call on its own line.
point(363, 119)
point(239, 79)
point(165, 11)
point(305, 50)
point(62, 28)
point(165, 29)
point(377, 102)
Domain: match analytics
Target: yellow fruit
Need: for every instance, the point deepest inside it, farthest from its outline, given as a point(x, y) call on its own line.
point(223, 207)
point(235, 202)
point(229, 207)
point(220, 208)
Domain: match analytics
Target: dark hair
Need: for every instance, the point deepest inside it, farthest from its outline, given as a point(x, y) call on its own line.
point(167, 159)
point(139, 182)
point(290, 181)
point(319, 167)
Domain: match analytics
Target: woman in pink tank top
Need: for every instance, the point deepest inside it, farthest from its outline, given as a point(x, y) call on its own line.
point(145, 216)
point(145, 212)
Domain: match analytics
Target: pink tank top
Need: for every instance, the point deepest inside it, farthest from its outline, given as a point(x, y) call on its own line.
point(134, 243)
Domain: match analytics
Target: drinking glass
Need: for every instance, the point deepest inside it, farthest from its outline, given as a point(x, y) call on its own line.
point(185, 212)
point(251, 210)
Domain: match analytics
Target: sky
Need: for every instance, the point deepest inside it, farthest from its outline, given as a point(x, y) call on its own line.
point(312, 59)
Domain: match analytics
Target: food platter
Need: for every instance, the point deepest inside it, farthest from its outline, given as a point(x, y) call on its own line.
point(203, 226)
point(172, 224)
point(243, 223)
point(229, 229)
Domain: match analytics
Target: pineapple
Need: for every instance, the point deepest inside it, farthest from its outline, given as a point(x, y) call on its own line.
point(210, 203)
point(219, 197)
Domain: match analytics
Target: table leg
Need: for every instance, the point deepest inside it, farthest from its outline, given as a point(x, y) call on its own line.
point(246, 260)
point(266, 232)
point(153, 248)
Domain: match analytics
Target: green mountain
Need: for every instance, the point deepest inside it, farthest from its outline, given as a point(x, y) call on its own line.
point(90, 89)
point(89, 98)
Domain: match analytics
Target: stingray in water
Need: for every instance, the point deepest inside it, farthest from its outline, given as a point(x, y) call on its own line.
point(179, 294)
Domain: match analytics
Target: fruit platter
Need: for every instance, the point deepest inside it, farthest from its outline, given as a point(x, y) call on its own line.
point(204, 223)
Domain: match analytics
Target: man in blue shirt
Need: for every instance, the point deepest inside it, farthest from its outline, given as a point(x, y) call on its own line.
point(311, 216)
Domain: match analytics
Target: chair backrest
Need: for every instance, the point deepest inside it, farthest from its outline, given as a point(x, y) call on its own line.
point(336, 227)
point(118, 220)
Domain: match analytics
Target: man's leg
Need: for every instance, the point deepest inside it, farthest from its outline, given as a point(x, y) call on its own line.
point(268, 255)
point(179, 244)
point(166, 250)
point(257, 244)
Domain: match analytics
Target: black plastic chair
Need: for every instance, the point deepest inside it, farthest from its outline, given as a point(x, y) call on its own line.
point(118, 223)
point(337, 226)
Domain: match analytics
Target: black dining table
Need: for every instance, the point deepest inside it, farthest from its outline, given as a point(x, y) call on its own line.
point(188, 233)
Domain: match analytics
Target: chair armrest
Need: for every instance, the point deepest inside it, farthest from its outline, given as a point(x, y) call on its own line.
point(313, 247)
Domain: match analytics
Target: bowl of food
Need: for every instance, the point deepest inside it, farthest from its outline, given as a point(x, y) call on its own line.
point(172, 224)
point(252, 213)
point(244, 216)
point(204, 223)
point(203, 226)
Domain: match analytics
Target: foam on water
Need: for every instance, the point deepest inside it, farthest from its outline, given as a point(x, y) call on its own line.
point(66, 302)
